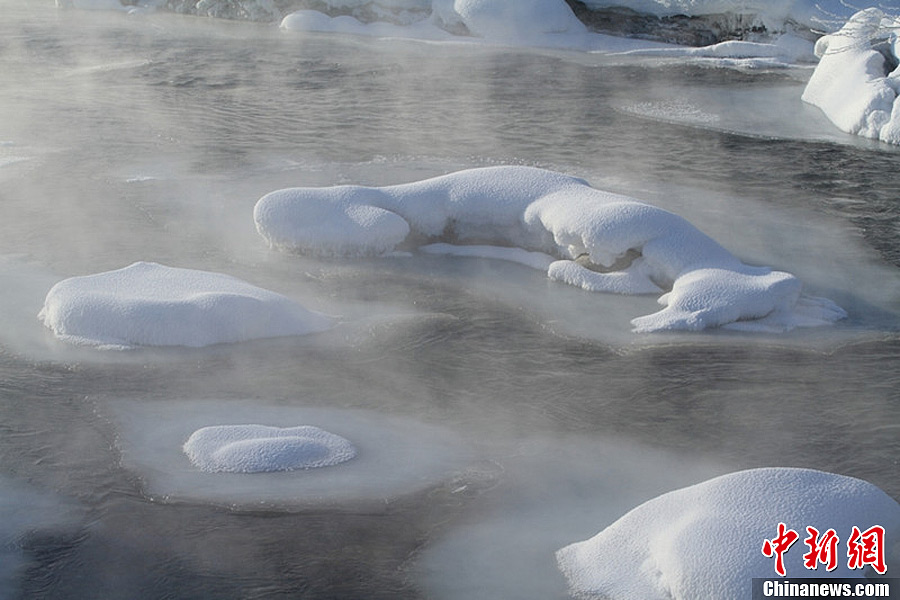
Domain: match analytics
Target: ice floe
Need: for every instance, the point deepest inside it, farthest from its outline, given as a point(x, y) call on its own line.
point(857, 79)
point(263, 449)
point(707, 540)
point(148, 304)
point(391, 456)
point(603, 242)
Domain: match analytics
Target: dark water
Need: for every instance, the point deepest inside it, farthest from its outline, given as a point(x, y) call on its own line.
point(152, 138)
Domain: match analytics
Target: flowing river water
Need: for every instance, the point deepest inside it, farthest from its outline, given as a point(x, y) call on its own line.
point(535, 415)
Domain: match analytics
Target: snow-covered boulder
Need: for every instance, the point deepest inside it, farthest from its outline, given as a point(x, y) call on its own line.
point(503, 20)
point(148, 304)
point(857, 80)
point(263, 449)
point(707, 540)
point(602, 241)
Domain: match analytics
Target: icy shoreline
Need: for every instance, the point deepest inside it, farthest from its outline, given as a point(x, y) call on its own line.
point(696, 23)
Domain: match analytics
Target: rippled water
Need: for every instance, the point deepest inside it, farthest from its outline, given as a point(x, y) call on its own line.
point(128, 139)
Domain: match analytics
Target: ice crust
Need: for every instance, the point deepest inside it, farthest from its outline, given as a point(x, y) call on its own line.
point(857, 80)
point(604, 242)
point(263, 449)
point(705, 541)
point(148, 304)
point(391, 456)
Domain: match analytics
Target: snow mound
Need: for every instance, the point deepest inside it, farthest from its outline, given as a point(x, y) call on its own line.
point(705, 541)
point(603, 242)
point(520, 23)
point(147, 304)
point(497, 19)
point(857, 79)
point(262, 449)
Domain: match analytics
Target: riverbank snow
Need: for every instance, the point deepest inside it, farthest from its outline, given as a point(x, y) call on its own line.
point(148, 304)
point(857, 79)
point(706, 541)
point(603, 242)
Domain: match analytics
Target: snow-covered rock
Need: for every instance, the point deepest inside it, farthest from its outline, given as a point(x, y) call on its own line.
point(263, 449)
point(857, 80)
point(707, 540)
point(147, 304)
point(603, 242)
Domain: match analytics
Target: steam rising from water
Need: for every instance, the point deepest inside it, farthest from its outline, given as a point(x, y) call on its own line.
point(150, 139)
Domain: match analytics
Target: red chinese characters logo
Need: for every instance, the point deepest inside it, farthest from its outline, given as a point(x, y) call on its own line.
point(863, 548)
point(821, 551)
point(778, 545)
point(867, 548)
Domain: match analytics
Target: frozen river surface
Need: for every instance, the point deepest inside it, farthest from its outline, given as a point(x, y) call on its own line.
point(498, 415)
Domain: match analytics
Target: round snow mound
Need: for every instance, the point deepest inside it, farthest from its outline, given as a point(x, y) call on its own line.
point(263, 449)
point(148, 304)
point(706, 540)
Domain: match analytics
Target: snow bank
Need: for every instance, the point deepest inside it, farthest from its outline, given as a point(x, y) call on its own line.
point(784, 50)
point(148, 304)
point(604, 242)
point(500, 19)
point(857, 79)
point(262, 449)
point(525, 22)
point(774, 15)
point(705, 541)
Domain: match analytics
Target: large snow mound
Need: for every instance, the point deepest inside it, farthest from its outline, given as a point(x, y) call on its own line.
point(148, 304)
point(263, 449)
point(604, 242)
point(490, 18)
point(706, 541)
point(857, 79)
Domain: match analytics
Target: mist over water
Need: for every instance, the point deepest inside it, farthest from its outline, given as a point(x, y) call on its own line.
point(151, 138)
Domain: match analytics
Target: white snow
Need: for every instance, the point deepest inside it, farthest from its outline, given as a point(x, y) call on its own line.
point(705, 541)
point(263, 449)
point(774, 14)
point(148, 304)
point(857, 79)
point(604, 241)
point(785, 50)
point(506, 20)
point(391, 456)
point(530, 23)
